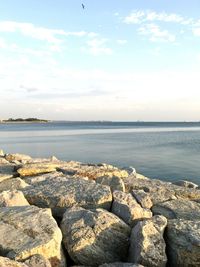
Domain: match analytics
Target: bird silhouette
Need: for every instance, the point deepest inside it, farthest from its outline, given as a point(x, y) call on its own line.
point(83, 6)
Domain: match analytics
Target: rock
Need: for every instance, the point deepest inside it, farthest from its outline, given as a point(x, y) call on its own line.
point(114, 182)
point(183, 243)
point(67, 192)
point(18, 157)
point(1, 153)
point(28, 230)
point(34, 180)
point(5, 177)
point(187, 184)
point(130, 170)
point(127, 208)
point(147, 245)
point(3, 161)
point(92, 171)
point(160, 191)
point(94, 237)
point(8, 169)
point(12, 184)
point(121, 264)
point(38, 261)
point(179, 208)
point(5, 262)
point(142, 198)
point(12, 198)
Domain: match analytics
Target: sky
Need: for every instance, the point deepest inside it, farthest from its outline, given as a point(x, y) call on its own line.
point(120, 60)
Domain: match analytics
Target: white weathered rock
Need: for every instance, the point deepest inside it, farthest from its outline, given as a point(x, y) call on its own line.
point(12, 184)
point(115, 183)
point(28, 230)
point(147, 245)
point(17, 157)
point(4, 176)
point(142, 198)
point(94, 237)
point(12, 198)
point(185, 183)
point(3, 161)
point(6, 262)
point(179, 208)
point(127, 208)
point(38, 260)
point(183, 243)
point(131, 171)
point(67, 192)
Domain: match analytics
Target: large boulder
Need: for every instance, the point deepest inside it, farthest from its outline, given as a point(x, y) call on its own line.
point(28, 230)
point(186, 184)
point(160, 191)
point(65, 192)
point(179, 208)
point(34, 180)
point(115, 183)
point(12, 198)
point(183, 243)
point(142, 198)
point(12, 184)
point(147, 245)
point(127, 208)
point(94, 237)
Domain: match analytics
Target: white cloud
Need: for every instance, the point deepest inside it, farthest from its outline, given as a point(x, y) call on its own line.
point(135, 17)
point(122, 42)
point(196, 31)
point(155, 34)
point(98, 47)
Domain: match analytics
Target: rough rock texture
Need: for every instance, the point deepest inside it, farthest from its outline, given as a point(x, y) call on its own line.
point(114, 182)
point(92, 171)
point(179, 208)
point(12, 198)
point(12, 184)
point(183, 243)
point(6, 262)
point(120, 264)
point(142, 198)
point(127, 208)
point(94, 237)
point(185, 183)
point(3, 161)
point(7, 168)
point(5, 177)
point(67, 192)
point(147, 245)
point(160, 191)
point(38, 261)
point(31, 231)
point(18, 157)
point(34, 180)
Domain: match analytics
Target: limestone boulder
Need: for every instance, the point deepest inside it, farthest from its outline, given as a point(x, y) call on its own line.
point(115, 183)
point(8, 169)
point(3, 161)
point(28, 230)
point(12, 184)
point(4, 176)
point(12, 198)
point(127, 208)
point(185, 183)
point(6, 262)
point(37, 260)
point(34, 180)
point(17, 157)
point(142, 198)
point(147, 245)
point(179, 208)
point(183, 243)
point(67, 192)
point(94, 237)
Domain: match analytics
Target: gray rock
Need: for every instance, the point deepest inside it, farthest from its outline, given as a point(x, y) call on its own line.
point(127, 208)
point(142, 198)
point(147, 245)
point(28, 230)
point(115, 183)
point(12, 198)
point(183, 243)
point(130, 170)
point(121, 264)
point(7, 168)
point(94, 237)
point(185, 183)
point(12, 184)
point(179, 208)
point(160, 191)
point(38, 260)
point(67, 192)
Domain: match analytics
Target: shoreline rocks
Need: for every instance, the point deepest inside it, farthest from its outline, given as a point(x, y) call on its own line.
point(56, 214)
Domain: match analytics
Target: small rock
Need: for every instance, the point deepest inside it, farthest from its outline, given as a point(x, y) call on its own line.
point(38, 261)
point(183, 243)
point(12, 184)
point(115, 183)
point(127, 208)
point(186, 184)
point(12, 198)
point(142, 198)
point(179, 208)
point(6, 262)
point(147, 243)
point(130, 170)
point(94, 237)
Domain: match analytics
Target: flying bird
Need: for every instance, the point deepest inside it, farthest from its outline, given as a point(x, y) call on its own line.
point(83, 6)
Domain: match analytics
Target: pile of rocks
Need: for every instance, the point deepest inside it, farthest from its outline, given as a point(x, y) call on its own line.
point(57, 214)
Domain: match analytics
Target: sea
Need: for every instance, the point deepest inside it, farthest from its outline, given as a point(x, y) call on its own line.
point(169, 151)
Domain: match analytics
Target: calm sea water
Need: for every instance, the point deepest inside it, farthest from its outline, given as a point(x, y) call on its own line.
point(168, 151)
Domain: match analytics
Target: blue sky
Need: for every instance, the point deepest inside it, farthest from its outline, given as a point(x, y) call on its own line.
point(114, 60)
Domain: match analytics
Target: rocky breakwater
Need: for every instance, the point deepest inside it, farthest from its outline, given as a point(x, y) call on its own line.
point(56, 214)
